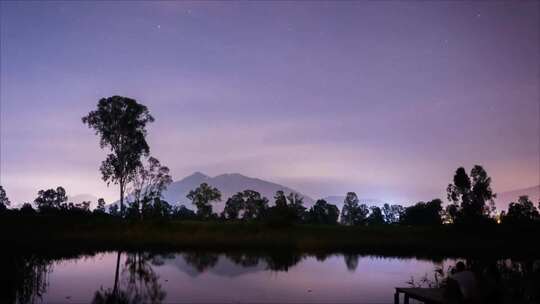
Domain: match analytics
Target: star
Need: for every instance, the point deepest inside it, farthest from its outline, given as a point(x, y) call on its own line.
point(158, 26)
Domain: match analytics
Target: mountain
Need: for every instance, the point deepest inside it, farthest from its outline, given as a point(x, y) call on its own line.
point(228, 184)
point(505, 198)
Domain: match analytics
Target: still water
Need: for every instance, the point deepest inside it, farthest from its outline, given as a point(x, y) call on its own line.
point(201, 277)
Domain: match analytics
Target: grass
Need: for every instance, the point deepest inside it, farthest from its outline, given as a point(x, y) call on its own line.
point(90, 233)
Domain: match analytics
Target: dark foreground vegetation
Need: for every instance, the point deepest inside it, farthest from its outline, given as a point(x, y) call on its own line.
point(50, 234)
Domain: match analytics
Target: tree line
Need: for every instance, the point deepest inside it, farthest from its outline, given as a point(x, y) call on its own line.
point(121, 124)
point(145, 203)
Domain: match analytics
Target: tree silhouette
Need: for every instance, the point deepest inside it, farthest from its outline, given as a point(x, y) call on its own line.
point(149, 181)
point(27, 209)
point(280, 199)
point(288, 209)
point(51, 199)
point(375, 217)
point(202, 197)
point(255, 205)
point(522, 212)
point(4, 201)
point(248, 204)
point(121, 124)
point(350, 209)
point(234, 205)
point(392, 213)
point(473, 196)
point(100, 209)
point(114, 210)
point(428, 214)
point(182, 212)
point(296, 204)
point(352, 213)
point(323, 213)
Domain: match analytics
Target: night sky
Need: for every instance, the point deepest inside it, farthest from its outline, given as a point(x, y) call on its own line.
point(383, 98)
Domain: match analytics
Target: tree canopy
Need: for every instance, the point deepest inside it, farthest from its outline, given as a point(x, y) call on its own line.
point(4, 200)
point(121, 124)
point(352, 212)
point(471, 196)
point(51, 199)
point(202, 197)
point(427, 214)
point(521, 212)
point(323, 213)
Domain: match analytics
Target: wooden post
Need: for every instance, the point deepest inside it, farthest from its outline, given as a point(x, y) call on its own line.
point(396, 297)
point(406, 300)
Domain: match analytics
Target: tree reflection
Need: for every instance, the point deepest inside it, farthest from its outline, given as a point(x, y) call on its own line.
point(140, 284)
point(244, 259)
point(275, 261)
point(282, 261)
point(351, 260)
point(23, 279)
point(201, 261)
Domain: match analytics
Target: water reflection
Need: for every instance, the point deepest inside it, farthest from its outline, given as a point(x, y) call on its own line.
point(144, 277)
point(351, 260)
point(22, 279)
point(141, 283)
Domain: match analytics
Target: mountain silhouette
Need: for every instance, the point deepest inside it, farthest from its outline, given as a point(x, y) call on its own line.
point(228, 184)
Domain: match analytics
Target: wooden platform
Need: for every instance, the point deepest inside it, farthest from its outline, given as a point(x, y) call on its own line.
point(426, 295)
point(436, 296)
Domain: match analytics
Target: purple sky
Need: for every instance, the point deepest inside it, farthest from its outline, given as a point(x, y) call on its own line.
point(383, 98)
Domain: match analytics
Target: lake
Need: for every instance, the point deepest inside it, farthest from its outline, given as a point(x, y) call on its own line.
point(206, 277)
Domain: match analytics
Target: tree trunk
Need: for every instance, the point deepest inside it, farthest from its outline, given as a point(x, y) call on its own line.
point(115, 289)
point(121, 197)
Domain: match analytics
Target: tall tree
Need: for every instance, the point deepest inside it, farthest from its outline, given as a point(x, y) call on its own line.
point(280, 199)
point(296, 205)
point(353, 213)
point(350, 209)
point(202, 197)
point(121, 124)
point(472, 195)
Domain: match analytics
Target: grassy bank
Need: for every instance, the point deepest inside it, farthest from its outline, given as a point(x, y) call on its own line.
point(50, 233)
